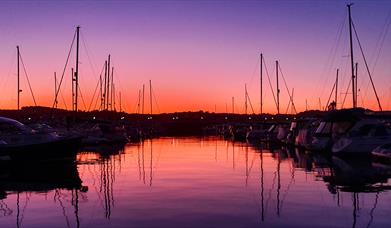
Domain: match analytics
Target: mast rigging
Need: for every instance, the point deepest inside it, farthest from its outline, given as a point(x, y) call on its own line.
point(75, 75)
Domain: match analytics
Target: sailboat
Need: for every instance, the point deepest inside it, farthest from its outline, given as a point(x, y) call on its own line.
point(352, 131)
point(19, 142)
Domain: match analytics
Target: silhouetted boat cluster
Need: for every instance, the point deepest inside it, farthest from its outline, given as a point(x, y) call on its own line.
point(20, 142)
point(347, 132)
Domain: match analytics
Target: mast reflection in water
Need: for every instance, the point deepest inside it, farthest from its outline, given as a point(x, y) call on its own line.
point(196, 182)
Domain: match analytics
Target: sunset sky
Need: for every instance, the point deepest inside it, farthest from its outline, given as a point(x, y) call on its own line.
point(198, 54)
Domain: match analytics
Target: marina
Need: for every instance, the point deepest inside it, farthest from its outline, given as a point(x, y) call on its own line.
point(195, 114)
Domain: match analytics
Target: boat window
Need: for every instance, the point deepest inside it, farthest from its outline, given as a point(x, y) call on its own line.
point(341, 127)
point(324, 128)
point(380, 131)
point(363, 130)
point(320, 127)
point(313, 125)
point(6, 128)
point(271, 128)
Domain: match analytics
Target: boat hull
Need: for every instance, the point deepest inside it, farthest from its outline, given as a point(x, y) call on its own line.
point(359, 145)
point(63, 148)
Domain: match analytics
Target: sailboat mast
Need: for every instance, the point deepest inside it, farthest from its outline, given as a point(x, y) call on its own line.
point(114, 109)
point(352, 59)
point(150, 94)
point(112, 94)
point(336, 90)
point(142, 107)
point(18, 86)
point(261, 83)
point(55, 89)
point(233, 105)
point(278, 90)
point(293, 104)
point(120, 102)
point(100, 91)
point(356, 78)
point(306, 105)
point(104, 88)
point(108, 84)
point(77, 67)
point(139, 98)
point(245, 98)
point(73, 89)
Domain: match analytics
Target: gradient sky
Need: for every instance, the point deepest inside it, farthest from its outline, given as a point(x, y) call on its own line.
point(198, 54)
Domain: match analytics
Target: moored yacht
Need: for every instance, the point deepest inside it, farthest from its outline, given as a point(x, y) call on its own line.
point(20, 142)
point(257, 132)
point(333, 126)
point(104, 133)
point(362, 138)
point(305, 133)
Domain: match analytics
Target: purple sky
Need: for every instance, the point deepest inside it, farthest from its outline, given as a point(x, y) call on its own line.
point(198, 54)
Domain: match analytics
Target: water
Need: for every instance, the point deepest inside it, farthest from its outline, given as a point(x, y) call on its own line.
point(194, 182)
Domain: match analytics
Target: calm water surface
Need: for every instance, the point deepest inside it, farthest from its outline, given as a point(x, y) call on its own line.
point(194, 182)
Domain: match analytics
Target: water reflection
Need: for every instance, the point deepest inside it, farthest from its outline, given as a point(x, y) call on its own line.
point(192, 182)
point(102, 163)
point(20, 182)
point(40, 177)
point(141, 162)
point(352, 175)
